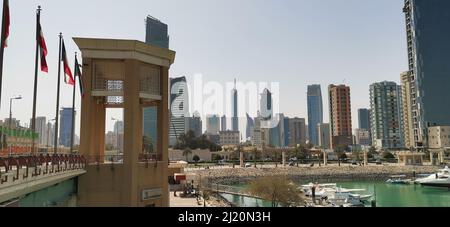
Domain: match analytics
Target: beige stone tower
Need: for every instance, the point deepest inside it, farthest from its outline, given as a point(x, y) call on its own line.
point(131, 75)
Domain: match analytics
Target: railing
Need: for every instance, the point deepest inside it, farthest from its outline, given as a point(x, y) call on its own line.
point(41, 165)
point(118, 159)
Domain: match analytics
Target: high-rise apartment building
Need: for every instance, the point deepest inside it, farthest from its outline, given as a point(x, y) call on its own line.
point(340, 116)
point(408, 126)
point(323, 132)
point(386, 115)
point(428, 43)
point(179, 108)
point(65, 130)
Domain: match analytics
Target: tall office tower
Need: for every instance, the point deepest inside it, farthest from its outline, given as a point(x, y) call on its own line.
point(276, 134)
point(41, 130)
point(340, 116)
point(428, 42)
point(266, 107)
point(156, 33)
point(194, 124)
point(250, 126)
point(295, 131)
point(50, 142)
point(179, 108)
point(256, 135)
point(212, 124)
point(234, 105)
point(323, 132)
point(118, 131)
point(315, 112)
point(364, 119)
point(65, 131)
point(386, 115)
point(408, 126)
point(150, 122)
point(223, 123)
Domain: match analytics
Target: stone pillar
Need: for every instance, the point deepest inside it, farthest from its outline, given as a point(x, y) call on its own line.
point(432, 158)
point(325, 158)
point(283, 156)
point(366, 158)
point(241, 159)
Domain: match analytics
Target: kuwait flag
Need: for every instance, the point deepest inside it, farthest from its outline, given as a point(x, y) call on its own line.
point(42, 49)
point(6, 23)
point(68, 78)
point(80, 78)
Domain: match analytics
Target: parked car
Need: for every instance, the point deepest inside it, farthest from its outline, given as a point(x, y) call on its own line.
point(248, 165)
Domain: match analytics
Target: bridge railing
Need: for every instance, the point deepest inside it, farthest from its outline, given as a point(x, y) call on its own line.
point(38, 165)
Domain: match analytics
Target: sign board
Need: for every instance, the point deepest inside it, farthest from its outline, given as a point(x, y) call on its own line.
point(154, 193)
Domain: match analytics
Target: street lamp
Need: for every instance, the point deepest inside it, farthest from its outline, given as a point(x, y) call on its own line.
point(10, 117)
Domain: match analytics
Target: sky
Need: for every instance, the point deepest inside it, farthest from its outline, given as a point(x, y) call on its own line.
point(292, 42)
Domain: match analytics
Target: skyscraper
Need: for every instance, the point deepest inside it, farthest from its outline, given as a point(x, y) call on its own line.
point(234, 105)
point(156, 32)
point(408, 127)
point(118, 131)
point(386, 115)
point(223, 123)
point(277, 133)
point(179, 107)
point(266, 108)
point(364, 119)
point(212, 124)
point(315, 111)
point(428, 43)
point(323, 132)
point(296, 131)
point(250, 126)
point(194, 124)
point(41, 130)
point(151, 124)
point(340, 116)
point(65, 131)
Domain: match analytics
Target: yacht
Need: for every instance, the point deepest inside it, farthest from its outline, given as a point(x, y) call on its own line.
point(342, 196)
point(399, 179)
point(441, 174)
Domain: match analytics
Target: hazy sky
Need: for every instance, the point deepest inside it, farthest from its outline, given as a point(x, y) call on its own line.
point(294, 42)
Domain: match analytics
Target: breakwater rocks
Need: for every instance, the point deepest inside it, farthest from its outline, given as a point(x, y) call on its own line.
point(312, 174)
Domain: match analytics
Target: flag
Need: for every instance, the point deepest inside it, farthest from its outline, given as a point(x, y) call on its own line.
point(42, 48)
point(68, 77)
point(6, 23)
point(79, 75)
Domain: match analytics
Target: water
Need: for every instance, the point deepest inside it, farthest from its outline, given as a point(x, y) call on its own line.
point(387, 195)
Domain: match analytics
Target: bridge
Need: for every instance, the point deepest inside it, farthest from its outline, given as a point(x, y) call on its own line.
point(21, 176)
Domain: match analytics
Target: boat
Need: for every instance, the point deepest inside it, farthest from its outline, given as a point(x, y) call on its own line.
point(442, 173)
point(399, 179)
point(347, 197)
point(320, 189)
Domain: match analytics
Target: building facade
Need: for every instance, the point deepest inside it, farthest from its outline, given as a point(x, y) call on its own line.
point(65, 130)
point(249, 127)
point(41, 130)
point(229, 138)
point(212, 125)
point(439, 137)
point(179, 108)
point(364, 119)
point(296, 131)
point(156, 33)
point(234, 110)
point(408, 126)
point(362, 137)
point(315, 112)
point(223, 123)
point(340, 116)
point(194, 124)
point(429, 68)
point(386, 115)
point(323, 132)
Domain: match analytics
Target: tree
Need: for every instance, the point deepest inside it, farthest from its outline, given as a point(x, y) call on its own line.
point(388, 155)
point(196, 159)
point(186, 153)
point(278, 190)
point(340, 152)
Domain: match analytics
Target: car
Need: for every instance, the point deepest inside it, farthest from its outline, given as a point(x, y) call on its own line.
point(248, 165)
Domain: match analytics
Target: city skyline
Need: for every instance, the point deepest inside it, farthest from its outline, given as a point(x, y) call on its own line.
point(304, 64)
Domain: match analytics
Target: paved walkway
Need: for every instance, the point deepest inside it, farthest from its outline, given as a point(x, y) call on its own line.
point(183, 202)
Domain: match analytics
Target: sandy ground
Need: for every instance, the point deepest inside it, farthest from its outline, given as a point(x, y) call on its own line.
point(183, 202)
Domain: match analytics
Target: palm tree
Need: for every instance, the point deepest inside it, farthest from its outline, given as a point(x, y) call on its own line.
point(186, 153)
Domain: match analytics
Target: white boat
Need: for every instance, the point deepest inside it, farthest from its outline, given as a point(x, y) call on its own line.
point(347, 197)
point(399, 179)
point(443, 173)
point(320, 189)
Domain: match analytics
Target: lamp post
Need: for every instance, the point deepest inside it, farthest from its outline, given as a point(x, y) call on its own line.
point(10, 118)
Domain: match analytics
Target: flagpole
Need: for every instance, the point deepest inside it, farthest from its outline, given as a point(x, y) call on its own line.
point(2, 51)
point(57, 95)
point(73, 105)
point(33, 118)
